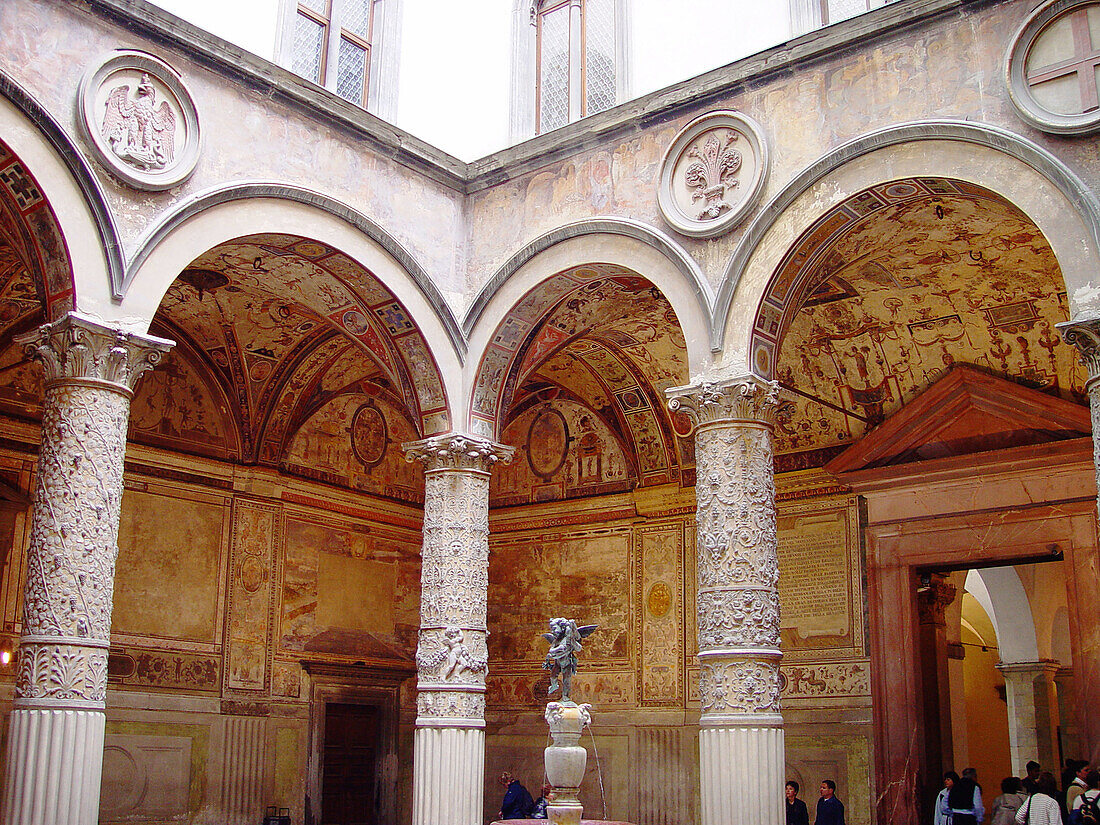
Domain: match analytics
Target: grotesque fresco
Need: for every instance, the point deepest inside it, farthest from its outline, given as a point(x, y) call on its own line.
point(888, 291)
point(296, 374)
point(581, 365)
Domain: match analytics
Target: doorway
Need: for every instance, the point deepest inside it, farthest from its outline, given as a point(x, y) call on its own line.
point(349, 775)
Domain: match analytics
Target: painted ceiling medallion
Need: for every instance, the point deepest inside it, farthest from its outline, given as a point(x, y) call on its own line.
point(140, 120)
point(713, 174)
point(1052, 67)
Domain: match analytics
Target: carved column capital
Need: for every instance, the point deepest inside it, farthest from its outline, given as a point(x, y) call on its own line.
point(933, 599)
point(457, 452)
point(744, 399)
point(1084, 334)
point(77, 349)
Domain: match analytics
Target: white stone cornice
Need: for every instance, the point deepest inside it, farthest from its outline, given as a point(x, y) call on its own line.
point(457, 452)
point(742, 399)
point(79, 349)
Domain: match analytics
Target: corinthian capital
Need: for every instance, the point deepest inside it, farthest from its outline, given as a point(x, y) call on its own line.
point(1084, 334)
point(747, 398)
point(76, 348)
point(457, 452)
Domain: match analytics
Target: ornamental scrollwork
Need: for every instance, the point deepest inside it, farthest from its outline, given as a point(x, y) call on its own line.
point(450, 705)
point(738, 618)
point(61, 672)
point(739, 686)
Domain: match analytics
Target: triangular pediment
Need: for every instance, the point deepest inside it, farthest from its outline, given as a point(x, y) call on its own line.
point(967, 411)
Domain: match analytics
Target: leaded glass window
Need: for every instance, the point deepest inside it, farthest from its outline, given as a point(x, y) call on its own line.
point(332, 45)
point(576, 60)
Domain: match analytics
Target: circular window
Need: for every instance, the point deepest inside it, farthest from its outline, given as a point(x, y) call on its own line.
point(1054, 67)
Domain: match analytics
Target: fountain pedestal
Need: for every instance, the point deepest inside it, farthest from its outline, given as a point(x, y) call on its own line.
point(565, 760)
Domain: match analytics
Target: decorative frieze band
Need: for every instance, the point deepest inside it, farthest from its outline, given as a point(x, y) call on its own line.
point(739, 618)
point(67, 675)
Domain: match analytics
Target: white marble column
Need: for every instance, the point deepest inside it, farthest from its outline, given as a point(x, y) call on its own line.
point(451, 655)
point(1084, 334)
point(1032, 713)
point(55, 737)
point(741, 760)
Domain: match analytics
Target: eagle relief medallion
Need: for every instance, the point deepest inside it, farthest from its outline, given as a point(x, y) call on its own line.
point(140, 120)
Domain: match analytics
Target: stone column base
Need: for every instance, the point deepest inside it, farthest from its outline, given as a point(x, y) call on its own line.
point(741, 775)
point(448, 776)
point(55, 761)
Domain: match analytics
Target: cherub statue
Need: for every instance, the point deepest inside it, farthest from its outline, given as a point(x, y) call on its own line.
point(561, 660)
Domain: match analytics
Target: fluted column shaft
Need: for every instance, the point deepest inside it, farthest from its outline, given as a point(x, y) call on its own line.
point(741, 738)
point(55, 740)
point(451, 654)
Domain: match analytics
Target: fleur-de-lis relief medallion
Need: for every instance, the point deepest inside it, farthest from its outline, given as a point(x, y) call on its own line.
point(714, 171)
point(713, 174)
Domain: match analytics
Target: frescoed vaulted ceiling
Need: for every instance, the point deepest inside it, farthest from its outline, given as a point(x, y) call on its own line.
point(287, 325)
point(894, 287)
point(579, 370)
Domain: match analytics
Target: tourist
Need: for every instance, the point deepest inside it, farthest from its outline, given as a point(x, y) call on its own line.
point(1030, 781)
point(539, 811)
point(1042, 806)
point(1091, 796)
point(939, 816)
point(517, 803)
point(1077, 785)
point(964, 801)
point(796, 808)
point(830, 810)
point(1011, 798)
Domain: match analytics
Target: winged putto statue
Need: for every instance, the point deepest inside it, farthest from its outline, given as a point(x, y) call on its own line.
point(136, 129)
point(561, 660)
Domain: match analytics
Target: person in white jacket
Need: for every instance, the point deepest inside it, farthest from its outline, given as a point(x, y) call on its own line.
point(1041, 807)
point(939, 817)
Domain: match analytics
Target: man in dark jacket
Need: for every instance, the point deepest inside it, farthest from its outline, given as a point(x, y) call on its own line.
point(517, 802)
point(830, 810)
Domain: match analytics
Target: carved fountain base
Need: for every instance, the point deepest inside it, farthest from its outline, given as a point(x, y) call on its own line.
point(565, 760)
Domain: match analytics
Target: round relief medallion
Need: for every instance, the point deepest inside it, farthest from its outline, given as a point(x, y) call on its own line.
point(547, 443)
point(369, 435)
point(1052, 67)
point(140, 120)
point(713, 174)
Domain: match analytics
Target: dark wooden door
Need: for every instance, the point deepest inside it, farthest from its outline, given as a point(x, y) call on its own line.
point(348, 793)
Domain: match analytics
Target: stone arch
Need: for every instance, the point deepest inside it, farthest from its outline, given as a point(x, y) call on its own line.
point(203, 222)
point(1001, 594)
point(81, 217)
point(613, 242)
point(1021, 172)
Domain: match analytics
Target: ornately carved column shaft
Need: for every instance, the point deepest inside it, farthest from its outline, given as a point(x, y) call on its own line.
point(741, 741)
point(451, 656)
point(56, 737)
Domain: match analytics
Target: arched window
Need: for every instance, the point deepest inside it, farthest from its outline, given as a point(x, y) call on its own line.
point(347, 46)
point(571, 61)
